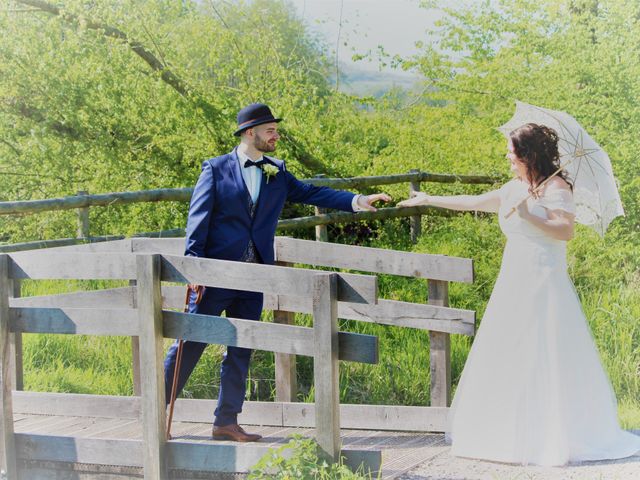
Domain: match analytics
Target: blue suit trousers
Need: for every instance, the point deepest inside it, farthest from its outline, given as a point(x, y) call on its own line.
point(235, 365)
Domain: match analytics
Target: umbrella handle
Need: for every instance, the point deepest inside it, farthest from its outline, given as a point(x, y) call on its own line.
point(535, 190)
point(178, 361)
point(174, 386)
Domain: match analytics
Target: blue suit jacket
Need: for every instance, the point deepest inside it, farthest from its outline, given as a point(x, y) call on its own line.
point(220, 224)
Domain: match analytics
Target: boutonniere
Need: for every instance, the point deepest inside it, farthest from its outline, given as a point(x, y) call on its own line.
point(270, 171)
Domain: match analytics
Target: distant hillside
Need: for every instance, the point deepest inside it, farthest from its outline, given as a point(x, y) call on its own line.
point(363, 82)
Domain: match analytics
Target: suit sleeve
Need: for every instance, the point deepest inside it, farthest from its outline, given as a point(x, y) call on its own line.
point(200, 210)
point(323, 197)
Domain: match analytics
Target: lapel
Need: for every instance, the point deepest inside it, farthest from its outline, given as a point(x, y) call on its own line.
point(265, 187)
point(234, 166)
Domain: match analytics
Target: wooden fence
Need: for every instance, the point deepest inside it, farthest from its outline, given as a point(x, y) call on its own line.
point(103, 314)
point(137, 311)
point(83, 202)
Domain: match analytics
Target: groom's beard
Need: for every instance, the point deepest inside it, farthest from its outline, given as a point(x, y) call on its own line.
point(262, 145)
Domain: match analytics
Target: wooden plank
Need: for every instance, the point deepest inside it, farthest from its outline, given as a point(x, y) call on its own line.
point(295, 414)
point(325, 364)
point(415, 222)
point(165, 246)
point(378, 260)
point(79, 450)
point(357, 183)
point(389, 312)
point(7, 440)
point(241, 458)
point(83, 219)
point(18, 365)
point(55, 425)
point(285, 364)
point(172, 297)
point(152, 376)
point(394, 417)
point(214, 457)
point(181, 454)
point(354, 347)
point(263, 278)
point(100, 199)
point(81, 266)
point(370, 417)
point(411, 315)
point(253, 413)
point(358, 347)
point(37, 420)
point(440, 350)
point(184, 194)
point(81, 405)
point(135, 365)
point(122, 245)
point(366, 462)
point(135, 350)
point(108, 298)
point(78, 321)
point(238, 333)
point(113, 429)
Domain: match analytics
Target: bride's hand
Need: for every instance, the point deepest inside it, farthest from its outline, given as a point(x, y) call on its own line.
point(417, 198)
point(523, 210)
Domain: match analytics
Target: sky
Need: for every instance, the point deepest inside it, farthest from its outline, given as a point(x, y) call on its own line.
point(394, 24)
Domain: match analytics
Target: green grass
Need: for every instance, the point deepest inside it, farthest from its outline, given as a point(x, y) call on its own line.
point(605, 274)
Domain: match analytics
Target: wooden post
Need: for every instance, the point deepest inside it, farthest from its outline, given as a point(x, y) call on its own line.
point(135, 353)
point(325, 364)
point(286, 381)
point(7, 438)
point(415, 221)
point(322, 234)
point(440, 349)
point(152, 377)
point(17, 370)
point(83, 218)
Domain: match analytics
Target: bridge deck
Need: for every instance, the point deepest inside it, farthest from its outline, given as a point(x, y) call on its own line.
point(402, 451)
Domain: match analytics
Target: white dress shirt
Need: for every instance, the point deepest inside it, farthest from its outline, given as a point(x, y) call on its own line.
point(252, 176)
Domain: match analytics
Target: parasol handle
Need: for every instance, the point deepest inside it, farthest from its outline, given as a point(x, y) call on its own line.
point(535, 190)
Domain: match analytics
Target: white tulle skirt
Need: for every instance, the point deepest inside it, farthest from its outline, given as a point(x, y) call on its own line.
point(533, 390)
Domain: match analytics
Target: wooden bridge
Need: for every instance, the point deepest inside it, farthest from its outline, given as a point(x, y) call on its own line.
point(95, 436)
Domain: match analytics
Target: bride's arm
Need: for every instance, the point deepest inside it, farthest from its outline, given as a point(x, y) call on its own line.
point(486, 202)
point(559, 224)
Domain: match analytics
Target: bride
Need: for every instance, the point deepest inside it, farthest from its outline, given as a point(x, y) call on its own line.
point(533, 390)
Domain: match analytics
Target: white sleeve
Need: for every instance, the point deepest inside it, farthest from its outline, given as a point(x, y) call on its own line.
point(559, 199)
point(354, 204)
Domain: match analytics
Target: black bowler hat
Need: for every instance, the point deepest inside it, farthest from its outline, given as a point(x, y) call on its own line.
point(252, 115)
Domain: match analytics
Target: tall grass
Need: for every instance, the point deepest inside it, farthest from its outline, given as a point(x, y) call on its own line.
point(605, 274)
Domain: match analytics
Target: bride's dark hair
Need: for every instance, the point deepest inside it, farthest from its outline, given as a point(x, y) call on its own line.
point(537, 147)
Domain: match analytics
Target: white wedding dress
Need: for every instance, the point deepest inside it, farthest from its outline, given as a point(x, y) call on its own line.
point(533, 390)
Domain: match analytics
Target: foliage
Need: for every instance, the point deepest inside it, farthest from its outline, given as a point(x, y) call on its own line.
point(299, 459)
point(79, 111)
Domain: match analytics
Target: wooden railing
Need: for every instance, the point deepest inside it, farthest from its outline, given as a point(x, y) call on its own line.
point(109, 312)
point(435, 317)
point(83, 202)
point(142, 311)
point(92, 313)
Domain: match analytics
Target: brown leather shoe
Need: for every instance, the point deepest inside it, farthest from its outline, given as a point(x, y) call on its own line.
point(233, 432)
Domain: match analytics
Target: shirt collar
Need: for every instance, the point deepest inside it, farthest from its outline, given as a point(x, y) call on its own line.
point(242, 158)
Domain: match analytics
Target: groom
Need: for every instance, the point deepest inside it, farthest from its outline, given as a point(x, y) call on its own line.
point(233, 216)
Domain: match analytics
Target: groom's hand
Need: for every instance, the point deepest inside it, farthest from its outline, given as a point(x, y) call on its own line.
point(366, 201)
point(198, 290)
